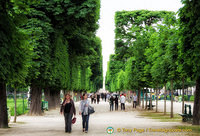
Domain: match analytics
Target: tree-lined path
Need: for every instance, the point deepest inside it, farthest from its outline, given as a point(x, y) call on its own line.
point(52, 123)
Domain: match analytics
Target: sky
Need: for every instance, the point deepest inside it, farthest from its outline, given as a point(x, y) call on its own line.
point(107, 25)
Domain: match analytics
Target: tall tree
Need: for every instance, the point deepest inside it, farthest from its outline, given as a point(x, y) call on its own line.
point(190, 47)
point(14, 52)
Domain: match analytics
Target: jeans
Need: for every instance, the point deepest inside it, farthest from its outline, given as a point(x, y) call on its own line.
point(122, 106)
point(111, 107)
point(134, 104)
point(68, 122)
point(85, 121)
point(116, 106)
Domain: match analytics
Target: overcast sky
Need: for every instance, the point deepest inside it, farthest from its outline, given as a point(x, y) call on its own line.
point(107, 26)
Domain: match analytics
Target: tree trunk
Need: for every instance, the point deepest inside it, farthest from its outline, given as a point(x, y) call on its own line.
point(15, 99)
point(172, 114)
point(157, 100)
point(139, 96)
point(53, 98)
point(165, 95)
point(57, 98)
point(150, 104)
point(36, 100)
point(183, 81)
point(196, 109)
point(3, 106)
point(143, 98)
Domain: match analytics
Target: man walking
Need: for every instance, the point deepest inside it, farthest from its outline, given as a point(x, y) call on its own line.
point(116, 102)
point(122, 100)
point(134, 100)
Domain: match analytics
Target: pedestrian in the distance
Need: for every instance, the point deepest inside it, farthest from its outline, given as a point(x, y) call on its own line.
point(83, 110)
point(98, 98)
point(134, 100)
point(111, 103)
point(105, 96)
point(68, 109)
point(116, 102)
point(92, 98)
point(102, 96)
point(122, 101)
point(95, 98)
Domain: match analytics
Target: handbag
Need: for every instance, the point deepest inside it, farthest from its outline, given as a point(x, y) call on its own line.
point(90, 109)
point(74, 120)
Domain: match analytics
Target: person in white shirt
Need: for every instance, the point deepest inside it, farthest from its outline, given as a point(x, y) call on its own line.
point(134, 100)
point(122, 101)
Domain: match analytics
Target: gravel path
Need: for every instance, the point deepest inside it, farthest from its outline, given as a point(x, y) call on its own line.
point(52, 124)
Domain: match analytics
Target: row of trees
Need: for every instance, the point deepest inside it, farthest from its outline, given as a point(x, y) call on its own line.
point(50, 46)
point(153, 49)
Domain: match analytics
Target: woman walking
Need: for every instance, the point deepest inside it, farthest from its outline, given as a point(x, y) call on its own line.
point(83, 110)
point(68, 109)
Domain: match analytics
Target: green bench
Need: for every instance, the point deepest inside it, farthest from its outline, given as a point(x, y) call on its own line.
point(187, 116)
point(45, 105)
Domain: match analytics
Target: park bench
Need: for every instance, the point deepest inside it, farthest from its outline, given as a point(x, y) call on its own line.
point(45, 105)
point(186, 116)
point(151, 105)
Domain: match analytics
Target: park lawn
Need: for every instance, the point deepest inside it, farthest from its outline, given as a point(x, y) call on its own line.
point(195, 128)
point(11, 106)
point(161, 116)
point(166, 118)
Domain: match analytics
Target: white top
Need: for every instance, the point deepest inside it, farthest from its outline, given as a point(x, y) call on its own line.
point(134, 97)
point(122, 99)
point(83, 107)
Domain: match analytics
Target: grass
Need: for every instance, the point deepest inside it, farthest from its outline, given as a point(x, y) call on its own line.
point(11, 106)
point(195, 128)
point(161, 116)
point(166, 118)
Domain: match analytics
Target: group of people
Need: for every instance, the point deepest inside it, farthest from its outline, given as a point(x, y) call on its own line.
point(114, 100)
point(68, 110)
point(95, 98)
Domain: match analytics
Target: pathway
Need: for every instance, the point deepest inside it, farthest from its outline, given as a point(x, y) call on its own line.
point(52, 124)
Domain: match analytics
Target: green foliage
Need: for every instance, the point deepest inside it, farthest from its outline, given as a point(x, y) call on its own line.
point(136, 45)
point(147, 44)
point(190, 38)
point(47, 42)
point(15, 50)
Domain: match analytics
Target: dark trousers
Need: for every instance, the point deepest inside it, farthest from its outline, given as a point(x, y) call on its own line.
point(111, 106)
point(134, 104)
point(68, 122)
point(85, 121)
point(116, 106)
point(122, 106)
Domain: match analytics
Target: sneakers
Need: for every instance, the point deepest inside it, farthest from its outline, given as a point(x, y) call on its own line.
point(83, 129)
point(86, 131)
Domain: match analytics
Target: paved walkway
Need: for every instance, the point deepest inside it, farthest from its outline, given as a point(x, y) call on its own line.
point(52, 124)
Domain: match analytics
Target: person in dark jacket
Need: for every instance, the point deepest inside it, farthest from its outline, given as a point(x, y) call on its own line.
point(98, 98)
point(68, 109)
point(111, 103)
point(116, 103)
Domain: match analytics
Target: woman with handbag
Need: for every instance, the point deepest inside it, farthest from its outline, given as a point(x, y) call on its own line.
point(84, 111)
point(68, 109)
